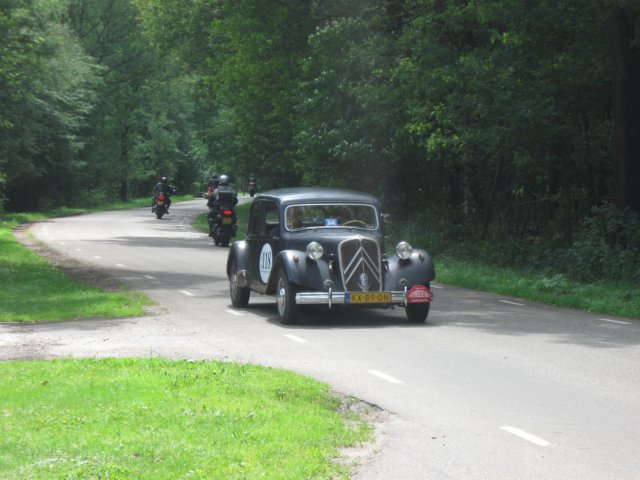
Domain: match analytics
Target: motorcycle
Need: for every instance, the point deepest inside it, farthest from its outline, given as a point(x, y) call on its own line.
point(252, 188)
point(161, 204)
point(223, 225)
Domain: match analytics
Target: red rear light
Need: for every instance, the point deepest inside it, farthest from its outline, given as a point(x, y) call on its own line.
point(161, 198)
point(227, 213)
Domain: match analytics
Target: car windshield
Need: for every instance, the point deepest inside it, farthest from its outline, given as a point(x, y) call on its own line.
point(299, 217)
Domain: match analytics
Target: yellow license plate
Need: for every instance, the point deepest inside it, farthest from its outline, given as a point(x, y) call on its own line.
point(226, 221)
point(369, 297)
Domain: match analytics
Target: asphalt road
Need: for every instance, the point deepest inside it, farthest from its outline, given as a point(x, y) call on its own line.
point(490, 388)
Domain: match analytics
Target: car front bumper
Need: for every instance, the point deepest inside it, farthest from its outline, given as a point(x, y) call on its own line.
point(341, 298)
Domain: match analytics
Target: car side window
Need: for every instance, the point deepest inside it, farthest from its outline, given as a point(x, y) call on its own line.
point(272, 220)
point(255, 221)
point(264, 220)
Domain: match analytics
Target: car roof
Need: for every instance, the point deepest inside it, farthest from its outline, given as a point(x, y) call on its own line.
point(287, 196)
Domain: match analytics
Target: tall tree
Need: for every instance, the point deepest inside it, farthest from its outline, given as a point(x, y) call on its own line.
point(348, 104)
point(250, 68)
point(109, 31)
point(511, 109)
point(623, 28)
point(50, 90)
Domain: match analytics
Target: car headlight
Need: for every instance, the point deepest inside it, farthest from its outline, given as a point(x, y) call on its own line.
point(314, 251)
point(404, 250)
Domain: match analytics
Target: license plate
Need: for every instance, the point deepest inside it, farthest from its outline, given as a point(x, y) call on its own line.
point(160, 204)
point(226, 221)
point(368, 297)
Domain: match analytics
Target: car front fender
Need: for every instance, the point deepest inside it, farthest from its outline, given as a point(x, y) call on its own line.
point(300, 270)
point(416, 270)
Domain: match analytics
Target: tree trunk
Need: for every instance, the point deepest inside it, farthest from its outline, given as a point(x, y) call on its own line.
point(625, 57)
point(124, 162)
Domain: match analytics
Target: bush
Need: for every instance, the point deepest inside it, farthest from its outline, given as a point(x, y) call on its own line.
point(608, 247)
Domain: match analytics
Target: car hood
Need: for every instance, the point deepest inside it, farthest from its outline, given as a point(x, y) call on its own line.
point(329, 238)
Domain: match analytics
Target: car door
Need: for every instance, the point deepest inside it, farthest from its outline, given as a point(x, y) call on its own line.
point(262, 241)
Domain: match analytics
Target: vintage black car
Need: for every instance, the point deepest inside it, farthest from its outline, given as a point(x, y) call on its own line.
point(325, 246)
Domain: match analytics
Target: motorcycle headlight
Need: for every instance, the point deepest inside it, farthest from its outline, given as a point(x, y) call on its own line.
point(404, 250)
point(314, 251)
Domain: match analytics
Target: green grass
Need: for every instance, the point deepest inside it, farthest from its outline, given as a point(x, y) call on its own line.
point(603, 297)
point(503, 268)
point(35, 291)
point(158, 419)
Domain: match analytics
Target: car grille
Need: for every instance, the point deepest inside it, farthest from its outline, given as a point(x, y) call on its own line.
point(360, 265)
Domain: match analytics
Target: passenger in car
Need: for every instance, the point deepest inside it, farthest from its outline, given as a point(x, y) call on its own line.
point(294, 218)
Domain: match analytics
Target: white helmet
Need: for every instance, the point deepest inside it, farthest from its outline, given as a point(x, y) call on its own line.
point(224, 180)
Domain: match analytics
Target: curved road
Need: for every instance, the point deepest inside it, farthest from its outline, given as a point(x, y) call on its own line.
point(490, 388)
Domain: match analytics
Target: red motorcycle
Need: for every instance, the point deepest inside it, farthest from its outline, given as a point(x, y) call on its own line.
point(161, 204)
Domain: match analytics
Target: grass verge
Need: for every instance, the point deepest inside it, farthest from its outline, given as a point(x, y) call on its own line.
point(607, 298)
point(35, 291)
point(153, 418)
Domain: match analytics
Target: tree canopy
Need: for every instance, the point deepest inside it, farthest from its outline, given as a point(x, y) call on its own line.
point(497, 113)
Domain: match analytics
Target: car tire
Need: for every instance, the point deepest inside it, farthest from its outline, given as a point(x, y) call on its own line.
point(417, 312)
point(288, 310)
point(239, 295)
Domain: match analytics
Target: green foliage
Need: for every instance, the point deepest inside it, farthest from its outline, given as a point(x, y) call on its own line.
point(249, 71)
point(50, 86)
point(348, 108)
point(498, 113)
point(89, 105)
point(512, 107)
point(606, 251)
point(608, 247)
point(143, 127)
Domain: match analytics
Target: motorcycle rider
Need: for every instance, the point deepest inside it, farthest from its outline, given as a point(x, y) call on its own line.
point(162, 187)
point(213, 184)
point(224, 194)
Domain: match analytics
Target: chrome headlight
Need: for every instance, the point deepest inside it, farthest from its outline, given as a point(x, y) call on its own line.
point(314, 251)
point(404, 250)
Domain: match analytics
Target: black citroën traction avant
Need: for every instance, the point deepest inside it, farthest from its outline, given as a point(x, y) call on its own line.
point(320, 246)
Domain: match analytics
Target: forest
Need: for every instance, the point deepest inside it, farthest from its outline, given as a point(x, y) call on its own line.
point(491, 121)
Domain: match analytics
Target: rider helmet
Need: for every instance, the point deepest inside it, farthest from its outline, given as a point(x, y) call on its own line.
point(163, 180)
point(224, 180)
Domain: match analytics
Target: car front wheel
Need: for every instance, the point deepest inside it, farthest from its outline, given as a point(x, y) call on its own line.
point(417, 312)
point(286, 300)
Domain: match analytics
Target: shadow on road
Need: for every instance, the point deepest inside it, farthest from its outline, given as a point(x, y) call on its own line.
point(470, 309)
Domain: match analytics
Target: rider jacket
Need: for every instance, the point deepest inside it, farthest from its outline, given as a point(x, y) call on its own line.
point(223, 195)
point(162, 188)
